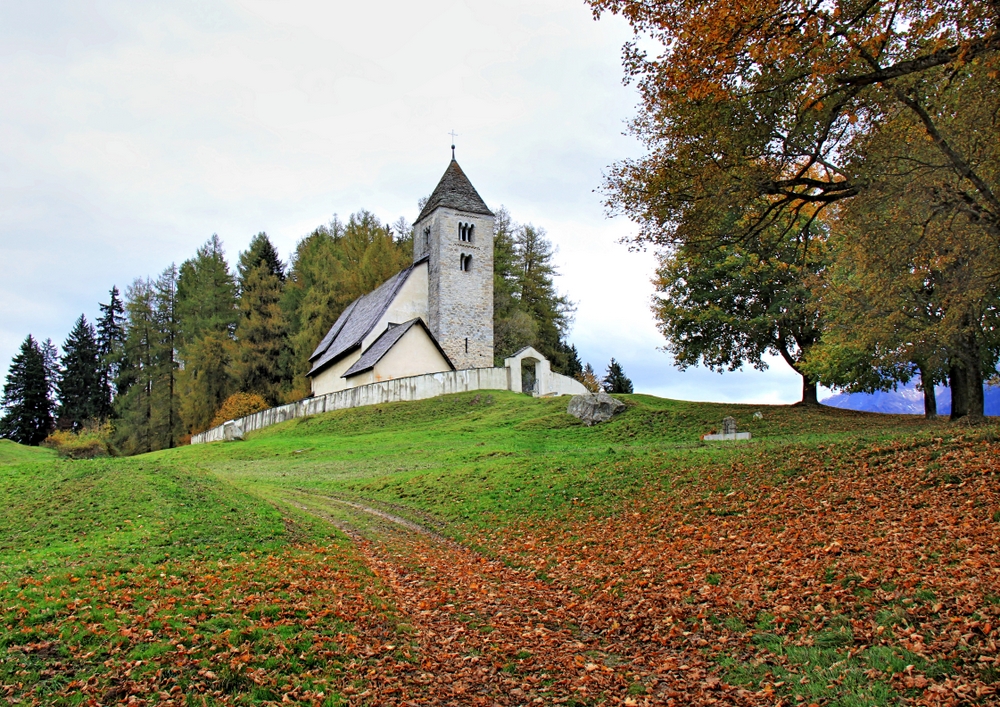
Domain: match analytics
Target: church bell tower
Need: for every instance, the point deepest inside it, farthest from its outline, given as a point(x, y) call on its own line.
point(454, 231)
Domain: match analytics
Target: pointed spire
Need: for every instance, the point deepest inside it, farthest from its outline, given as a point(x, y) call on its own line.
point(455, 191)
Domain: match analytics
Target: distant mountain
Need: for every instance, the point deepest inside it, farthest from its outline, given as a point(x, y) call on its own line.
point(906, 400)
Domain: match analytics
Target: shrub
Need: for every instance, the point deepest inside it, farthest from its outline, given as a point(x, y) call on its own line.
point(238, 405)
point(94, 440)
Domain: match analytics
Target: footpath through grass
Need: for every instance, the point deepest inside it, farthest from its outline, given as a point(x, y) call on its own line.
point(838, 558)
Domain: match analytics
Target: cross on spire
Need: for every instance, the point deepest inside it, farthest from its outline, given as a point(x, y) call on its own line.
point(453, 136)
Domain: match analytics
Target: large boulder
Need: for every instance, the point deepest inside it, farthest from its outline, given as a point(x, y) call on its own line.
point(594, 408)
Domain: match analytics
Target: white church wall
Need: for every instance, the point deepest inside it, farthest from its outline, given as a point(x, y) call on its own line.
point(331, 380)
point(412, 355)
point(409, 303)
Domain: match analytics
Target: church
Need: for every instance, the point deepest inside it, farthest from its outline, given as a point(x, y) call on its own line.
point(426, 331)
point(434, 316)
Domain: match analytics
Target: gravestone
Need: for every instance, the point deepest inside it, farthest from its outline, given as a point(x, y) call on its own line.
point(728, 432)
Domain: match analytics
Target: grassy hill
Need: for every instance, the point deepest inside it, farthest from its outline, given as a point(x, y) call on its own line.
point(831, 560)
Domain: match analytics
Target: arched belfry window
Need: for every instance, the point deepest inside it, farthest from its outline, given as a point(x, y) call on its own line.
point(465, 232)
point(465, 262)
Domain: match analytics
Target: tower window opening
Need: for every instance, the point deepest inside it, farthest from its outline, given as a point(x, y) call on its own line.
point(465, 262)
point(427, 238)
point(466, 344)
point(465, 232)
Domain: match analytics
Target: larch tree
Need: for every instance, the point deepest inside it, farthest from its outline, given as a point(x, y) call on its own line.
point(527, 308)
point(27, 406)
point(81, 398)
point(755, 115)
point(207, 313)
point(134, 432)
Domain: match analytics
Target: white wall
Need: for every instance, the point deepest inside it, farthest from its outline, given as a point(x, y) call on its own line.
point(332, 380)
point(409, 303)
point(413, 355)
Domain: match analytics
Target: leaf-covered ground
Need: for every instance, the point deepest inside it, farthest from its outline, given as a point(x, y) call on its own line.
point(843, 559)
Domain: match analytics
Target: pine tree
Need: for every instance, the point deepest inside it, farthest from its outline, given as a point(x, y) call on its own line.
point(208, 313)
point(262, 333)
point(80, 391)
point(110, 348)
point(615, 381)
point(28, 407)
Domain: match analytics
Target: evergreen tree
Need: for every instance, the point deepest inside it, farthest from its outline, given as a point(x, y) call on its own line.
point(208, 313)
point(615, 381)
point(527, 310)
point(134, 404)
point(110, 348)
point(28, 408)
point(50, 354)
point(80, 391)
point(166, 401)
point(331, 267)
point(262, 332)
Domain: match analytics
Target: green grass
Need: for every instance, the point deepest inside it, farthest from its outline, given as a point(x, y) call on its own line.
point(458, 464)
point(477, 459)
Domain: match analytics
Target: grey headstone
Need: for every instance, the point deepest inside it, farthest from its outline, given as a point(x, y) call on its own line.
point(594, 408)
point(728, 425)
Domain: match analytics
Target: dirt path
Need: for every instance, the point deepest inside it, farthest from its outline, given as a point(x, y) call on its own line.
point(479, 632)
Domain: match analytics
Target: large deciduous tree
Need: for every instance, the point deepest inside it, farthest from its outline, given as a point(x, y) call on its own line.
point(756, 116)
point(26, 402)
point(726, 305)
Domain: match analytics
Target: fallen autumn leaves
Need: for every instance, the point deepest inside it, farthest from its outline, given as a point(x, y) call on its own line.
point(801, 580)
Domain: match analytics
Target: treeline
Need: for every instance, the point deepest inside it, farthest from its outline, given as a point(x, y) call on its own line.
point(166, 354)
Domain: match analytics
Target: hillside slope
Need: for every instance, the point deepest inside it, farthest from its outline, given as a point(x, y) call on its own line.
point(838, 558)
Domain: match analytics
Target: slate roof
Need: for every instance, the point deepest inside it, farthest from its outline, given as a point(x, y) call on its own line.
point(357, 322)
point(380, 347)
point(455, 191)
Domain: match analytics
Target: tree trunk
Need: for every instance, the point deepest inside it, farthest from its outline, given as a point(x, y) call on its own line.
point(930, 402)
point(958, 380)
point(809, 392)
point(967, 385)
point(930, 399)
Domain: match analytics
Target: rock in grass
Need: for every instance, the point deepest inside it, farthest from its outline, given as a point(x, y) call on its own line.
point(594, 408)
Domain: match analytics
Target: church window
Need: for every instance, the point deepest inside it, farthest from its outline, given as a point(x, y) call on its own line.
point(427, 238)
point(466, 344)
point(465, 262)
point(465, 232)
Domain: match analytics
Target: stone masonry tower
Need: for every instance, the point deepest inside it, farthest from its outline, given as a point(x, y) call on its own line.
point(455, 231)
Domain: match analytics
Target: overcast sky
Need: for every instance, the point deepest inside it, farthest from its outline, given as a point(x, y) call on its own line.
point(130, 132)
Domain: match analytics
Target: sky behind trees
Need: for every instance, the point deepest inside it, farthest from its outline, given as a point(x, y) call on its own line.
point(131, 133)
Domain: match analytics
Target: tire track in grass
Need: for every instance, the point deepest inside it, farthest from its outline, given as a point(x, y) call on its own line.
point(490, 634)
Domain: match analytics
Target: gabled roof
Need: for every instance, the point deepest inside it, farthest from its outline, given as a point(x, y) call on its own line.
point(380, 347)
point(455, 191)
point(357, 321)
